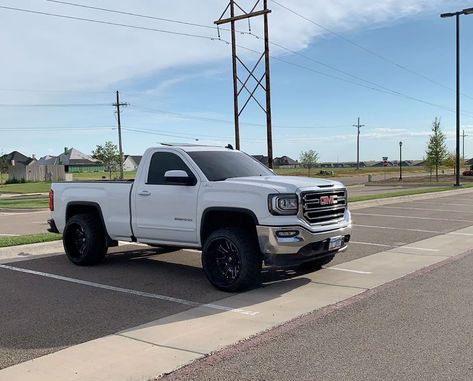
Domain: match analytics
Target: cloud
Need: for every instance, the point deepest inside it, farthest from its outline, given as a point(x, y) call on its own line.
point(47, 52)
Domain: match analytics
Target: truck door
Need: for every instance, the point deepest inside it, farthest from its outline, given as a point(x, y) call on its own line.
point(165, 211)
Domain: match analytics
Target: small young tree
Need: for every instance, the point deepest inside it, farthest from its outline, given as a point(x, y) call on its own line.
point(436, 149)
point(451, 161)
point(3, 167)
point(309, 159)
point(108, 155)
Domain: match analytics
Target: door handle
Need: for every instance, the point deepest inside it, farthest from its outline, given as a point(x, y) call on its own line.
point(144, 193)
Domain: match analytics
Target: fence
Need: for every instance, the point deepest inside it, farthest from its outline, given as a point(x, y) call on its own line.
point(37, 173)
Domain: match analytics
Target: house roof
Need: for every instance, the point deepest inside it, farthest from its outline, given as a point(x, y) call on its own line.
point(18, 158)
point(261, 158)
point(135, 158)
point(48, 160)
point(285, 160)
point(75, 157)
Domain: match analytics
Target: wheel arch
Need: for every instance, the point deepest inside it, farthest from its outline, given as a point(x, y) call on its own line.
point(220, 217)
point(87, 207)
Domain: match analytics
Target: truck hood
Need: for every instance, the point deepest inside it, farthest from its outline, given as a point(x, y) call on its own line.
point(285, 184)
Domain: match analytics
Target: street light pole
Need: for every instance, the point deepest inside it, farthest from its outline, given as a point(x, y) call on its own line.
point(467, 11)
point(400, 161)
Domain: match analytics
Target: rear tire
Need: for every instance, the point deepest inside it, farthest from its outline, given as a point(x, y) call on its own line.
point(84, 240)
point(231, 259)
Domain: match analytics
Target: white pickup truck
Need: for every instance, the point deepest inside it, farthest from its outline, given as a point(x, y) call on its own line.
point(219, 200)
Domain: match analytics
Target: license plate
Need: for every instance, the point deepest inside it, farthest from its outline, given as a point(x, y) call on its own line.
point(335, 243)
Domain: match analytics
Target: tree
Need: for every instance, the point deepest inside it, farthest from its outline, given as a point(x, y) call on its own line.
point(3, 167)
point(308, 159)
point(436, 149)
point(451, 161)
point(108, 155)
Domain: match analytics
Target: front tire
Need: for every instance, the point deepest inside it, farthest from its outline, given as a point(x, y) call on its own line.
point(231, 259)
point(84, 240)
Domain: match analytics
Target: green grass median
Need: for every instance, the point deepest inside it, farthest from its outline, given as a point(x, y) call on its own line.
point(28, 239)
point(24, 203)
point(408, 192)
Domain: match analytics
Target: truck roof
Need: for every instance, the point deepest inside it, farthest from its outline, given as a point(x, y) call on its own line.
point(196, 147)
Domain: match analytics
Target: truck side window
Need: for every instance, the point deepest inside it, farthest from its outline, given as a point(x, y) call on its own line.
point(161, 162)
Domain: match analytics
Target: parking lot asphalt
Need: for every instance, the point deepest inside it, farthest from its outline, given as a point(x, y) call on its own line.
point(418, 329)
point(43, 314)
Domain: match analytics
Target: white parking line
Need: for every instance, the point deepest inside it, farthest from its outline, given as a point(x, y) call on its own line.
point(448, 203)
point(348, 270)
point(429, 210)
point(392, 246)
point(129, 291)
point(8, 235)
point(410, 217)
point(403, 229)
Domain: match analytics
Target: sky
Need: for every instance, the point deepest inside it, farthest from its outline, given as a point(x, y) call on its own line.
point(389, 62)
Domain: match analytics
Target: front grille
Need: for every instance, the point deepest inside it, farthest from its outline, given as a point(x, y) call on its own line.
point(324, 206)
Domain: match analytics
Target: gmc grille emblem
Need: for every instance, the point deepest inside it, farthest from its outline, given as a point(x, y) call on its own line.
point(328, 200)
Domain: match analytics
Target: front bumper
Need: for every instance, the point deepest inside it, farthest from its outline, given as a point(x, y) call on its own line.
point(303, 247)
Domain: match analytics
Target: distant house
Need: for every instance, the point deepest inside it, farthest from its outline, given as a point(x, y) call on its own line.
point(381, 164)
point(131, 163)
point(285, 162)
point(262, 159)
point(75, 161)
point(15, 158)
point(24, 168)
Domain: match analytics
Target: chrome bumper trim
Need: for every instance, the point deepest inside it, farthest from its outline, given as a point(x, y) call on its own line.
point(271, 244)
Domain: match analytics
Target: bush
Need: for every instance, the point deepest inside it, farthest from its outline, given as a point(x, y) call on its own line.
point(468, 173)
point(15, 181)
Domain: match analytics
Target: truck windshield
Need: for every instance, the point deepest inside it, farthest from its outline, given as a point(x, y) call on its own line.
point(222, 165)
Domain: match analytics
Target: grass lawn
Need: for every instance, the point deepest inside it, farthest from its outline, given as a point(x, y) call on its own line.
point(343, 172)
point(404, 193)
point(25, 188)
point(100, 175)
point(27, 239)
point(25, 203)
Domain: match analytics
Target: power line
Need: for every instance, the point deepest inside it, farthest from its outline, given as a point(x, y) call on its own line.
point(379, 88)
point(111, 23)
point(228, 121)
point(331, 67)
point(367, 50)
point(133, 14)
point(6, 105)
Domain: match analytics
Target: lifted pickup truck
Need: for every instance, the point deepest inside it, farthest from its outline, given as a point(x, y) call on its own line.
point(219, 200)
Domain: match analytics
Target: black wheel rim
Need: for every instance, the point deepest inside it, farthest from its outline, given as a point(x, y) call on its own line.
point(77, 241)
point(224, 261)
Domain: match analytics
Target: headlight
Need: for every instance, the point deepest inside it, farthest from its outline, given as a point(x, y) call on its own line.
point(283, 204)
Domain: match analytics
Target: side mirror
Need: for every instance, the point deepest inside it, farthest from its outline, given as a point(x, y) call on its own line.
point(178, 177)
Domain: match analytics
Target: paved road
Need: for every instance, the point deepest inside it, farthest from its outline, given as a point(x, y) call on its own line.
point(20, 223)
point(419, 329)
point(41, 315)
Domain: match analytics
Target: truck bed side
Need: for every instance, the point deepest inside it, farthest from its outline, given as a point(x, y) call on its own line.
point(111, 198)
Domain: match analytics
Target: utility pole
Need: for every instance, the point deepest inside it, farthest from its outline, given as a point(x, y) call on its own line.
point(120, 147)
point(358, 126)
point(400, 161)
point(463, 145)
point(243, 83)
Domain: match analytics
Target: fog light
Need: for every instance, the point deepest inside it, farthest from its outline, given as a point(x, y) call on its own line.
point(287, 233)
